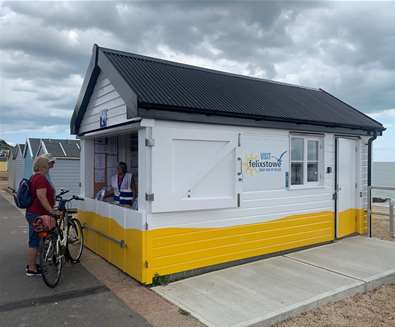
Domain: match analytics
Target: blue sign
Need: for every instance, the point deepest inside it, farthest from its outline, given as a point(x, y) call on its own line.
point(103, 118)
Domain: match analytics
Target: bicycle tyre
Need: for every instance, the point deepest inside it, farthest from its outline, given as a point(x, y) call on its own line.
point(75, 225)
point(52, 261)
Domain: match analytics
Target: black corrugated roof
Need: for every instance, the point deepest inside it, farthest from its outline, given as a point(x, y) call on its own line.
point(71, 148)
point(22, 147)
point(168, 86)
point(62, 148)
point(34, 145)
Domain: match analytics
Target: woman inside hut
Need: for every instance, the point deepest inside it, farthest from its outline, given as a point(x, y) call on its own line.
point(123, 187)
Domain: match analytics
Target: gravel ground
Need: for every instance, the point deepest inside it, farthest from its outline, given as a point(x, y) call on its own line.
point(375, 308)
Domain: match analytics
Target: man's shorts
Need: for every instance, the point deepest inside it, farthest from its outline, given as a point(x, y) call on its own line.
point(34, 240)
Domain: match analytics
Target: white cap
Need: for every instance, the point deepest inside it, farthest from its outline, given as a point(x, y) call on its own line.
point(49, 157)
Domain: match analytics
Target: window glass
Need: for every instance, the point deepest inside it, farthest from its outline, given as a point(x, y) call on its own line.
point(312, 150)
point(297, 149)
point(312, 172)
point(297, 173)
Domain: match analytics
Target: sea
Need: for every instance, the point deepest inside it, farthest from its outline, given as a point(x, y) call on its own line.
point(383, 174)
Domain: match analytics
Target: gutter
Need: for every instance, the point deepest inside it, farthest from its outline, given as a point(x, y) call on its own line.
point(371, 139)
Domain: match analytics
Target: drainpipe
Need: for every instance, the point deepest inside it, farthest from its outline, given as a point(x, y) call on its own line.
point(370, 183)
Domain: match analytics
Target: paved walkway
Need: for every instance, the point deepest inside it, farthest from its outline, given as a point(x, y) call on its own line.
point(267, 291)
point(79, 300)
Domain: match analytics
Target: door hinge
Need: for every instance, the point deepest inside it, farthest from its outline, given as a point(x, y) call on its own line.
point(146, 264)
point(334, 196)
point(238, 200)
point(149, 142)
point(360, 194)
point(239, 140)
point(149, 196)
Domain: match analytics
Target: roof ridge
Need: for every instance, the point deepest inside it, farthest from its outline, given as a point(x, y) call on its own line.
point(192, 67)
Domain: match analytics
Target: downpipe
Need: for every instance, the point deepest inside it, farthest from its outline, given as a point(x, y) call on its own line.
point(370, 141)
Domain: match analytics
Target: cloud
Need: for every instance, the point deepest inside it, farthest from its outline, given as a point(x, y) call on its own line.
point(344, 48)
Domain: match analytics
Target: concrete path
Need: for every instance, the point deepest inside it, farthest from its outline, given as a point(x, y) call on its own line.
point(79, 300)
point(267, 291)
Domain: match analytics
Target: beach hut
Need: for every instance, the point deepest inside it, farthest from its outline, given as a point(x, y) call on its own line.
point(66, 172)
point(29, 154)
point(11, 167)
point(16, 166)
point(230, 168)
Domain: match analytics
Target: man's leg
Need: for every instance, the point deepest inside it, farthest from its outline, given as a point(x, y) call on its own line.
point(31, 259)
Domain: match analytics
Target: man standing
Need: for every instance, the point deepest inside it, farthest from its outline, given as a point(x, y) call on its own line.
point(51, 164)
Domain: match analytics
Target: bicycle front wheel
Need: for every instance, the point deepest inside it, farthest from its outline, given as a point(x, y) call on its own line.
point(50, 261)
point(75, 240)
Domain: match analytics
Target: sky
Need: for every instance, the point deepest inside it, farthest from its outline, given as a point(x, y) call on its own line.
point(346, 48)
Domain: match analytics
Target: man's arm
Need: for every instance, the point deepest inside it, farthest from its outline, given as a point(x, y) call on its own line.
point(42, 196)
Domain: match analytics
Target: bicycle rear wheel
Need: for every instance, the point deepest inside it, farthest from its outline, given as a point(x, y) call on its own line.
point(50, 261)
point(75, 240)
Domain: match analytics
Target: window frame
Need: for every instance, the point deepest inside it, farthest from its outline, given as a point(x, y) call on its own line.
point(306, 161)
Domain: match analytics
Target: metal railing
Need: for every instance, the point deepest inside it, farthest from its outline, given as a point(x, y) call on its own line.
point(390, 213)
point(121, 243)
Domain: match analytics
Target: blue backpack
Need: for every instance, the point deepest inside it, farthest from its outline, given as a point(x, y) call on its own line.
point(23, 198)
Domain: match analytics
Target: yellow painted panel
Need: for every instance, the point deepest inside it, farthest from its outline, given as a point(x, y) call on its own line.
point(351, 221)
point(362, 221)
point(172, 250)
point(168, 236)
point(127, 259)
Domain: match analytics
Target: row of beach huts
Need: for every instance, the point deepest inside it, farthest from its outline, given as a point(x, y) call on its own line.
point(66, 172)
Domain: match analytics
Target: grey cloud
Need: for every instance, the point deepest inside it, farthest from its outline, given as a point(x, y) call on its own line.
point(345, 48)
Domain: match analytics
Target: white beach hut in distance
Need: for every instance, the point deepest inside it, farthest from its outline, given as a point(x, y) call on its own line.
point(229, 167)
point(66, 172)
point(16, 166)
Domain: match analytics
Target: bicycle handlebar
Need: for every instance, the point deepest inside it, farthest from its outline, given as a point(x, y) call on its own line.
point(74, 197)
point(62, 192)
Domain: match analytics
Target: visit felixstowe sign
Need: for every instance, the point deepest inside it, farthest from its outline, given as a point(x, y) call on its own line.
point(264, 162)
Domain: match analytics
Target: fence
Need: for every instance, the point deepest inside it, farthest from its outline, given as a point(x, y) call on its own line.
point(390, 213)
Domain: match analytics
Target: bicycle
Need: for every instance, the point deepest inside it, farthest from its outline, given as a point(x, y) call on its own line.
point(64, 241)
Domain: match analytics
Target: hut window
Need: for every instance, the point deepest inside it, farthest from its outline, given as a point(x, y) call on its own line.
point(297, 160)
point(305, 161)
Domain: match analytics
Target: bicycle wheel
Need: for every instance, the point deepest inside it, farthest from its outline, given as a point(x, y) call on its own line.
point(75, 240)
point(50, 261)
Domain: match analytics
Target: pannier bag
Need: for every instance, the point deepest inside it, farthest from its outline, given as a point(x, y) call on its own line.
point(43, 223)
point(23, 198)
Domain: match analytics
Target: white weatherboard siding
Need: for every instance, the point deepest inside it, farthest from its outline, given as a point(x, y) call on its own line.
point(19, 169)
point(66, 175)
point(11, 173)
point(104, 97)
point(258, 205)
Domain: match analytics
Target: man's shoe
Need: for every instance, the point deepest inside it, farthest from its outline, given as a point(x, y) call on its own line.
point(37, 265)
point(31, 273)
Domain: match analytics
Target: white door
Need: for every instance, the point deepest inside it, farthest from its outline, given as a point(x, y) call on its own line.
point(346, 215)
point(194, 169)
